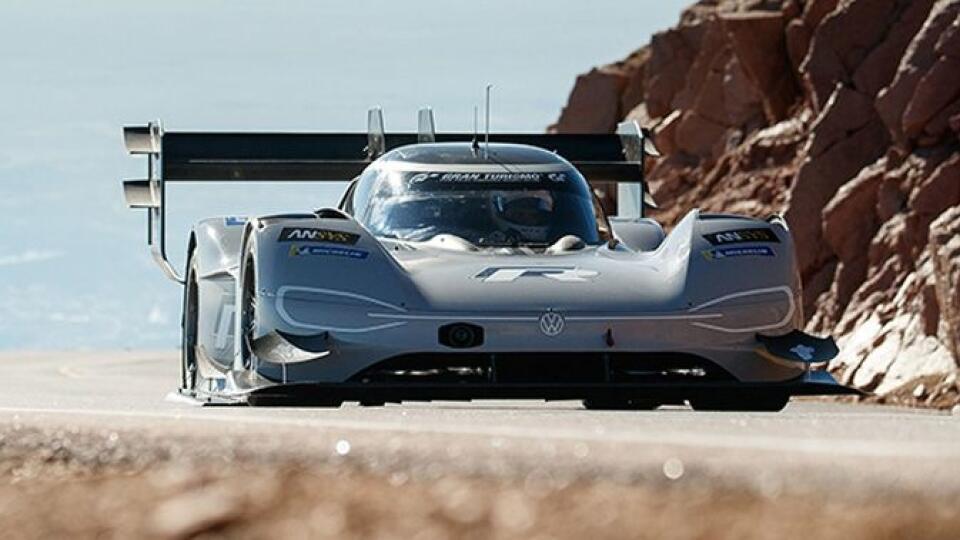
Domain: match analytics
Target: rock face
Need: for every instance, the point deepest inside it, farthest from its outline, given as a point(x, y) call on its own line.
point(594, 104)
point(844, 115)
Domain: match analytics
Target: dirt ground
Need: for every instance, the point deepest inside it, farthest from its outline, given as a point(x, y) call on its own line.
point(930, 391)
point(78, 485)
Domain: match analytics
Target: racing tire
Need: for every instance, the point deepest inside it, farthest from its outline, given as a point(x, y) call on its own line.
point(189, 371)
point(766, 402)
point(602, 404)
point(248, 309)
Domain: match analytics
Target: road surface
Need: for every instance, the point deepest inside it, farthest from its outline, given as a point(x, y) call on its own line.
point(817, 445)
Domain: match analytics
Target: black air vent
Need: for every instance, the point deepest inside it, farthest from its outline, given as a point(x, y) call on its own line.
point(330, 213)
point(460, 335)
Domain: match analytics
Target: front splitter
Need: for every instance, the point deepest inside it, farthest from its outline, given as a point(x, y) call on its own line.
point(811, 384)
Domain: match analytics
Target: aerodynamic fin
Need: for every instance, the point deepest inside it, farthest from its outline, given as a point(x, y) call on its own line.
point(426, 127)
point(799, 347)
point(282, 348)
point(637, 144)
point(140, 194)
point(142, 139)
point(376, 136)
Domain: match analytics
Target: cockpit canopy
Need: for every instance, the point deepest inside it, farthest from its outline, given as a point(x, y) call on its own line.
point(517, 196)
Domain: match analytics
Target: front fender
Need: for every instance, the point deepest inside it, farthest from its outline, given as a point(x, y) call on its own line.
point(216, 248)
point(746, 269)
point(324, 274)
point(218, 245)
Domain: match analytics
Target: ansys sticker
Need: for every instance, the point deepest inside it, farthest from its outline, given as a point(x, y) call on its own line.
point(312, 234)
point(742, 236)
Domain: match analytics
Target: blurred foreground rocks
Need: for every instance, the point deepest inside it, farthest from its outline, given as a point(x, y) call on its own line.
point(844, 115)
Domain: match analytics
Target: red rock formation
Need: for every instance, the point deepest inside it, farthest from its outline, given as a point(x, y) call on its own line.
point(594, 104)
point(759, 43)
point(920, 57)
point(845, 116)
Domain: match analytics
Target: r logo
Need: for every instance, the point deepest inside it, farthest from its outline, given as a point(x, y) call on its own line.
point(507, 274)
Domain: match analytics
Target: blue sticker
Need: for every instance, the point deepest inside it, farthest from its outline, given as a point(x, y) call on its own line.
point(752, 251)
point(336, 251)
point(233, 221)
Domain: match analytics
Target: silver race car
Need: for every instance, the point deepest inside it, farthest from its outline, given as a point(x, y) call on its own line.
point(458, 267)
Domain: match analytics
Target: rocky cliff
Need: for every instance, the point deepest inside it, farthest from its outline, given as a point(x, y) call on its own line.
point(844, 115)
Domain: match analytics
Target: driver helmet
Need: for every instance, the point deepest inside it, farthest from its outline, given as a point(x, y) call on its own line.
point(527, 212)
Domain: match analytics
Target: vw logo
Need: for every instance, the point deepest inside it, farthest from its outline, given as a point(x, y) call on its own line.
point(551, 323)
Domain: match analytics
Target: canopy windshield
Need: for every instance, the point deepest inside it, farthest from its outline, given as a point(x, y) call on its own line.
point(489, 209)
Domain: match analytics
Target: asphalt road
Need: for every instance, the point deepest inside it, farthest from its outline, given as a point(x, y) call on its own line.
point(841, 447)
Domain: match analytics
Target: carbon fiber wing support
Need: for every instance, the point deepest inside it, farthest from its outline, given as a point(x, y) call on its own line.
point(317, 157)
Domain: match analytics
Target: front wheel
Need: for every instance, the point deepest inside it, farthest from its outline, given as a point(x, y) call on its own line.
point(188, 332)
point(248, 311)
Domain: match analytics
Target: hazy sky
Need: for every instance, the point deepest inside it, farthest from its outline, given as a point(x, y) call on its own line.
point(73, 269)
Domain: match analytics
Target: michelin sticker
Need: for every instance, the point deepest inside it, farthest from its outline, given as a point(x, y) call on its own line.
point(234, 221)
point(334, 251)
point(726, 253)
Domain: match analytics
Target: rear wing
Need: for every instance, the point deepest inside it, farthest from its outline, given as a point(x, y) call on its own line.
point(315, 157)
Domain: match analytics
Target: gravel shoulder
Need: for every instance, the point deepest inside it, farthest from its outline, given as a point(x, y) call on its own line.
point(76, 480)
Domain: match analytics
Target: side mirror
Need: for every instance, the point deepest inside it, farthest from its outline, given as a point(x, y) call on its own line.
point(641, 234)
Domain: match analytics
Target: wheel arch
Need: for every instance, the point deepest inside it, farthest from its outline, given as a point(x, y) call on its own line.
point(212, 248)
